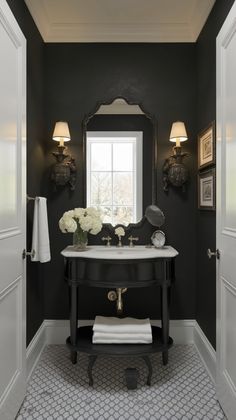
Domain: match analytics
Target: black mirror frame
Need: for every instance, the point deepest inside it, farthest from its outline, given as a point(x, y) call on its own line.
point(108, 226)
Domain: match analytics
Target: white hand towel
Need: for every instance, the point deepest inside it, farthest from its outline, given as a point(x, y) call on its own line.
point(40, 236)
point(99, 340)
point(121, 338)
point(122, 325)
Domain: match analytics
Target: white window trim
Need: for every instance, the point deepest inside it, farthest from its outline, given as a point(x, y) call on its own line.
point(138, 163)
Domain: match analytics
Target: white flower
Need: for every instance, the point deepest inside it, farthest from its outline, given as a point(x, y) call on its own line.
point(78, 212)
point(88, 219)
point(119, 231)
point(97, 227)
point(67, 224)
point(61, 225)
point(92, 211)
point(86, 223)
point(70, 213)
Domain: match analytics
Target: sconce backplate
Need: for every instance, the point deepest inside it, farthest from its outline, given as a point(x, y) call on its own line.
point(175, 172)
point(64, 171)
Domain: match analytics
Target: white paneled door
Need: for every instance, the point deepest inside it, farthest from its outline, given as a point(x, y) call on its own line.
point(12, 213)
point(226, 215)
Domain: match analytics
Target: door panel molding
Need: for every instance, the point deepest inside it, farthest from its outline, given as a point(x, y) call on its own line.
point(226, 214)
point(13, 213)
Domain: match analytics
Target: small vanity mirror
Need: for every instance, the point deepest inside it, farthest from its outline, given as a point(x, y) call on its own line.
point(119, 144)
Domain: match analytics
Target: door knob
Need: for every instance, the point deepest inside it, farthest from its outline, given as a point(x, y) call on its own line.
point(213, 254)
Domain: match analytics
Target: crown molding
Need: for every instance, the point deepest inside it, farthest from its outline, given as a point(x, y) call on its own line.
point(165, 32)
point(41, 19)
point(199, 16)
point(187, 31)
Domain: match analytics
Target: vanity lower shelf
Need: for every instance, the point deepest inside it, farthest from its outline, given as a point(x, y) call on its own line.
point(84, 344)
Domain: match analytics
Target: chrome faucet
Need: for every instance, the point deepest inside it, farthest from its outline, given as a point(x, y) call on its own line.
point(108, 239)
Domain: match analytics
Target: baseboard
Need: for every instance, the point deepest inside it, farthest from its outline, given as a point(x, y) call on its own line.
point(205, 351)
point(185, 331)
point(34, 350)
point(58, 330)
point(181, 330)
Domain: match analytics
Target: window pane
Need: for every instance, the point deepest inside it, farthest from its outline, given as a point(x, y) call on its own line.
point(123, 215)
point(101, 188)
point(123, 156)
point(123, 188)
point(106, 213)
point(101, 156)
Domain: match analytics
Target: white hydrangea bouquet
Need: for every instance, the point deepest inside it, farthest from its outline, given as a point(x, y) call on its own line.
point(80, 221)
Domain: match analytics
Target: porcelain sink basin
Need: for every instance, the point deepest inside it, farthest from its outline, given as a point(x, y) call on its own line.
point(124, 253)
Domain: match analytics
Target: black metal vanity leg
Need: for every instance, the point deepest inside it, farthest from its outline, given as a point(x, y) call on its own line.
point(165, 312)
point(73, 357)
point(165, 322)
point(165, 357)
point(92, 360)
point(149, 365)
point(73, 321)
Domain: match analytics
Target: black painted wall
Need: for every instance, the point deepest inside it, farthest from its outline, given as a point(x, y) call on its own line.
point(35, 153)
point(77, 77)
point(206, 220)
point(173, 81)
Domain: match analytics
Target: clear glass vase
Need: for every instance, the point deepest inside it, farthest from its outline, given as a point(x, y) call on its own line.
point(80, 239)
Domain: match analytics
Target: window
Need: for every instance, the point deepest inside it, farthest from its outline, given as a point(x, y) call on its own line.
point(114, 175)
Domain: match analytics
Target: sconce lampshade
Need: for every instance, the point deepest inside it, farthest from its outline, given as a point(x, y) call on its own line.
point(61, 132)
point(178, 132)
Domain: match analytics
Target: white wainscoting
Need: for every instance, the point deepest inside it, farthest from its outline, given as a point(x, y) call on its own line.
point(183, 331)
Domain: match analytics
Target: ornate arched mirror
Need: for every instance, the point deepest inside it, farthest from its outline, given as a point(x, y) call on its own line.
point(120, 161)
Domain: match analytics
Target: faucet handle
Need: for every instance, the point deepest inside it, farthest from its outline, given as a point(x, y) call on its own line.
point(108, 239)
point(132, 239)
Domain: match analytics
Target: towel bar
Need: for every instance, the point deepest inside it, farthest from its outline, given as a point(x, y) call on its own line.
point(31, 198)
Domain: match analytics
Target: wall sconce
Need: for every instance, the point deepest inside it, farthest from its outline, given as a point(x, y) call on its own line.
point(174, 170)
point(64, 171)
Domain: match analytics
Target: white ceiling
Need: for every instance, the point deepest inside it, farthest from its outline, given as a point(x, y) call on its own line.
point(120, 20)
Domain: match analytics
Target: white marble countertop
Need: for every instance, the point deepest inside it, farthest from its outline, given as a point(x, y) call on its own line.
point(102, 252)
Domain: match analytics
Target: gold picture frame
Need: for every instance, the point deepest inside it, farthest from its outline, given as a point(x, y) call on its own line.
point(206, 190)
point(206, 147)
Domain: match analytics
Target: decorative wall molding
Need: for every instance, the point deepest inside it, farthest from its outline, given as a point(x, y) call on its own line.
point(205, 351)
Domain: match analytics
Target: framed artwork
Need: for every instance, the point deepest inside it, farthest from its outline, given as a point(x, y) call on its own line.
point(206, 190)
point(206, 147)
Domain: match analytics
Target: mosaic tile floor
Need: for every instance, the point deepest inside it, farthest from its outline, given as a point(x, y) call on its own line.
point(59, 390)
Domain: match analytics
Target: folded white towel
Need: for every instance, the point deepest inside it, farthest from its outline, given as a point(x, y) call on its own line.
point(122, 325)
point(40, 236)
point(125, 337)
point(121, 341)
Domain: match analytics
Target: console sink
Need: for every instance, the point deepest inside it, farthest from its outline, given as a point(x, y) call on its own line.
point(123, 253)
